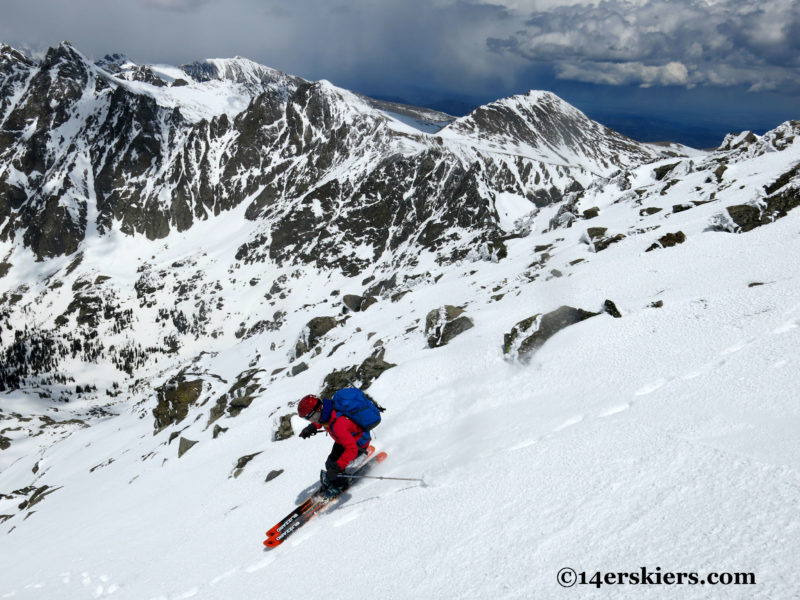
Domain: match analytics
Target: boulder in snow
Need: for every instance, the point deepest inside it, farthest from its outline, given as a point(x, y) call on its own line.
point(273, 474)
point(242, 463)
point(445, 323)
point(530, 334)
point(185, 445)
point(284, 430)
point(352, 302)
point(611, 308)
point(668, 241)
point(598, 239)
point(312, 332)
point(591, 213)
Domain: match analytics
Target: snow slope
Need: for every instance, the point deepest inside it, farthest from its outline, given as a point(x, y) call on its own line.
point(663, 439)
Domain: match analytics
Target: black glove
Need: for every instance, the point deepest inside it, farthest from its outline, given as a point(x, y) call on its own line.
point(308, 431)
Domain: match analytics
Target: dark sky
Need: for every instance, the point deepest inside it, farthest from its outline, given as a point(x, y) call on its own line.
point(685, 70)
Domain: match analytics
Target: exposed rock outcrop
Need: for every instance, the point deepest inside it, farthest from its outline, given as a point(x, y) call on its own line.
point(598, 240)
point(284, 430)
point(530, 334)
point(242, 463)
point(445, 323)
point(312, 332)
point(360, 376)
point(184, 445)
point(173, 401)
point(742, 218)
point(668, 241)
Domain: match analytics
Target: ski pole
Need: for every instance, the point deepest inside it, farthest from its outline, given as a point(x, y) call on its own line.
point(377, 477)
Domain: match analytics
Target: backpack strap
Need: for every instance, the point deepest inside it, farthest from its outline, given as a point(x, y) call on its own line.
point(327, 411)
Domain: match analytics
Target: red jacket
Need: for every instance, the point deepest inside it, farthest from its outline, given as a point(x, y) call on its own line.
point(346, 433)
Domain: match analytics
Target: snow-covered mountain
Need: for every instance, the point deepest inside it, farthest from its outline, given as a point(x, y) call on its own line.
point(186, 251)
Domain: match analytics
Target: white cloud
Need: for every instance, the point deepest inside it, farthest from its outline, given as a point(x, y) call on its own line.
point(653, 42)
point(626, 73)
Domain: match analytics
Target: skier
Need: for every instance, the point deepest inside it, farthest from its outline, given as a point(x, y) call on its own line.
point(350, 439)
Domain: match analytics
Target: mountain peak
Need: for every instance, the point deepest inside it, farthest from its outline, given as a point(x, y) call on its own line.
point(540, 123)
point(253, 76)
point(65, 54)
point(534, 103)
point(12, 55)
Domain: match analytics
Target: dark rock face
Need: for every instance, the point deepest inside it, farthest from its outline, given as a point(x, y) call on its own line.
point(51, 228)
point(747, 217)
point(668, 241)
point(530, 334)
point(242, 463)
point(174, 399)
point(360, 376)
point(284, 430)
point(661, 172)
point(599, 241)
point(185, 445)
point(352, 302)
point(596, 232)
point(611, 308)
point(312, 332)
point(38, 495)
point(784, 178)
point(238, 404)
point(444, 324)
point(299, 368)
point(368, 301)
point(14, 69)
point(650, 210)
point(218, 410)
point(242, 393)
point(273, 474)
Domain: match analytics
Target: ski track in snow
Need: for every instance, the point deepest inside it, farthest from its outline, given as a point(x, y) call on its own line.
point(788, 326)
point(569, 423)
point(226, 575)
point(615, 410)
point(651, 387)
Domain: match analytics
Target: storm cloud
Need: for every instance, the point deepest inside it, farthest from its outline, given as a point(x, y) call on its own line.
point(410, 42)
point(457, 43)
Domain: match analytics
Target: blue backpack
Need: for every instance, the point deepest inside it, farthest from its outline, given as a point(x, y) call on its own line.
point(356, 406)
